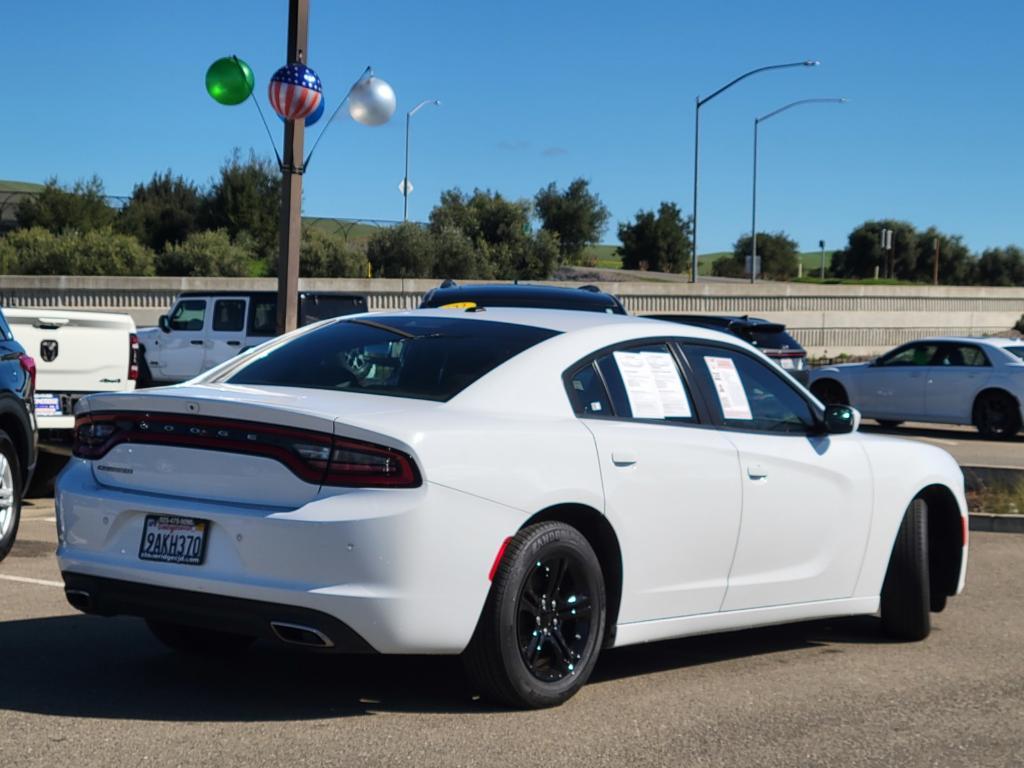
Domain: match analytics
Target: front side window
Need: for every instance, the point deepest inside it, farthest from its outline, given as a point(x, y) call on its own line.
point(748, 394)
point(913, 354)
point(428, 358)
point(229, 315)
point(639, 382)
point(189, 315)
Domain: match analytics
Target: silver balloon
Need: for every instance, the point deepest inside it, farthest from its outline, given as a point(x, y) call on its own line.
point(372, 101)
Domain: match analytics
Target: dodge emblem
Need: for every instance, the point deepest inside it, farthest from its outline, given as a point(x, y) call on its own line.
point(48, 350)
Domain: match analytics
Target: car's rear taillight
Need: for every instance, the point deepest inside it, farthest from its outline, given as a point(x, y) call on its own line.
point(133, 357)
point(314, 457)
point(28, 365)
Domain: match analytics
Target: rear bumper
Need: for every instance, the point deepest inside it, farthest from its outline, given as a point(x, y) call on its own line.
point(254, 618)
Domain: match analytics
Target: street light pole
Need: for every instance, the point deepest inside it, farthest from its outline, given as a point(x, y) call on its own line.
point(696, 144)
point(405, 178)
point(753, 206)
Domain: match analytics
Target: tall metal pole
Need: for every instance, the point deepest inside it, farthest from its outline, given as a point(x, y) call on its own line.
point(821, 244)
point(753, 213)
point(405, 178)
point(696, 144)
point(291, 183)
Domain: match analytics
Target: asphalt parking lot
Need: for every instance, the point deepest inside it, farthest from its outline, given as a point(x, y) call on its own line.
point(86, 691)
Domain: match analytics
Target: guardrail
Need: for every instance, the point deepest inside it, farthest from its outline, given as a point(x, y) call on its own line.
point(827, 319)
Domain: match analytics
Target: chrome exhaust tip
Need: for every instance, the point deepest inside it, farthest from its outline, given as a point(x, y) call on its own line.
point(298, 634)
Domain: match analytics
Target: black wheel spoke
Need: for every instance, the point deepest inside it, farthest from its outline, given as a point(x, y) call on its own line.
point(578, 608)
point(566, 657)
point(558, 576)
point(533, 652)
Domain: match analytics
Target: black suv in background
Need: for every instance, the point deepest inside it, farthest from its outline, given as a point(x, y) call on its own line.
point(771, 338)
point(17, 432)
point(588, 298)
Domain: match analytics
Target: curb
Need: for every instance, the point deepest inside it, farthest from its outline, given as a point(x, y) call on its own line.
point(997, 523)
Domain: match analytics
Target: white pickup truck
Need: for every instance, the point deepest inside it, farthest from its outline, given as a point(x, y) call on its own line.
point(76, 354)
point(205, 328)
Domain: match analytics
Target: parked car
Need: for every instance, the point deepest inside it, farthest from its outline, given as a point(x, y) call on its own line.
point(588, 298)
point(771, 338)
point(205, 328)
point(944, 380)
point(17, 432)
point(76, 354)
point(523, 487)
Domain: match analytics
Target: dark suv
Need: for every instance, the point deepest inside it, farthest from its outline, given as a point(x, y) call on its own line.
point(588, 298)
point(17, 432)
point(771, 338)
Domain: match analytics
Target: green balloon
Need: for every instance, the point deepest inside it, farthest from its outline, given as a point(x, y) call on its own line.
point(229, 80)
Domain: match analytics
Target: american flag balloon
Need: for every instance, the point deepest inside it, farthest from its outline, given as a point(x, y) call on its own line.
point(295, 91)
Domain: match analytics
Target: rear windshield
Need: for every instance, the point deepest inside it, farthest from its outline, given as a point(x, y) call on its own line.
point(587, 302)
point(1018, 351)
point(428, 358)
point(774, 340)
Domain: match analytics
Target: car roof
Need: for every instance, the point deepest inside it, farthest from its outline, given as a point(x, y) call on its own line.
point(585, 297)
point(995, 341)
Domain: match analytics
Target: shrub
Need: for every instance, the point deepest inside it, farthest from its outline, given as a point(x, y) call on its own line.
point(209, 254)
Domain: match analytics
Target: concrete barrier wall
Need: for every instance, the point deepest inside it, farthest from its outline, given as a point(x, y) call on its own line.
point(827, 319)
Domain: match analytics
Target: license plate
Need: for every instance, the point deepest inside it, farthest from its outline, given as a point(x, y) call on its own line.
point(173, 539)
point(48, 405)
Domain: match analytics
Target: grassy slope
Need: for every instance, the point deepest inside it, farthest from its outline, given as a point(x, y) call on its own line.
point(19, 186)
point(608, 259)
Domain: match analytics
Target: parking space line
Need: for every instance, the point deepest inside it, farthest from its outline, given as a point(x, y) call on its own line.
point(28, 580)
point(39, 519)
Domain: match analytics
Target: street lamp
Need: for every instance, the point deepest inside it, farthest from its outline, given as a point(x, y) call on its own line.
point(405, 179)
point(696, 141)
point(753, 207)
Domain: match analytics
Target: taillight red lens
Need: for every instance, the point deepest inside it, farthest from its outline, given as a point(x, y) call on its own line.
point(28, 365)
point(314, 457)
point(133, 357)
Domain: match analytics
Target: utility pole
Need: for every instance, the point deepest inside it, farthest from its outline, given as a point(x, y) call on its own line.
point(291, 183)
point(935, 263)
point(821, 244)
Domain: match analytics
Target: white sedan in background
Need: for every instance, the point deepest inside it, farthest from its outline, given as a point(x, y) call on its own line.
point(945, 380)
point(522, 487)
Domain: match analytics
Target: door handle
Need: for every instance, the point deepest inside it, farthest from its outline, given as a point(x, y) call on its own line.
point(197, 342)
point(756, 472)
point(623, 458)
point(234, 343)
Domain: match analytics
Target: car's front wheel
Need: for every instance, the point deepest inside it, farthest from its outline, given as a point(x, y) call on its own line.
point(10, 494)
point(197, 641)
point(543, 623)
point(906, 592)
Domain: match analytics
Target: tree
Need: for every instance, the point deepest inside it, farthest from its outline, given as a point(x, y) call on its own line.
point(999, 266)
point(956, 264)
point(101, 252)
point(576, 215)
point(864, 250)
point(778, 254)
point(166, 210)
point(246, 197)
point(82, 208)
point(456, 257)
point(659, 243)
point(404, 250)
point(326, 255)
point(209, 254)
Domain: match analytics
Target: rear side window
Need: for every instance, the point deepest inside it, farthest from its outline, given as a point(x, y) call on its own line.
point(427, 358)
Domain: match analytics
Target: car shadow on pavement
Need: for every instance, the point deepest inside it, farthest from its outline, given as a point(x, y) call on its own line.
point(84, 666)
point(937, 432)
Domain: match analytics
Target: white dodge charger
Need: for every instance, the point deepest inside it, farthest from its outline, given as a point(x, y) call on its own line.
point(522, 487)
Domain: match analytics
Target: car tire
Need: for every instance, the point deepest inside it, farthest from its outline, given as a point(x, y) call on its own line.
point(887, 424)
point(10, 494)
point(543, 624)
point(997, 415)
point(830, 392)
point(906, 592)
point(197, 641)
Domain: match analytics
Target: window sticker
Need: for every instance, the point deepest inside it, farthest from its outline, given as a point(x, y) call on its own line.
point(729, 388)
point(652, 385)
point(674, 403)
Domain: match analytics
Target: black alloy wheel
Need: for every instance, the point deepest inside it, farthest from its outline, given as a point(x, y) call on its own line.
point(543, 623)
point(997, 414)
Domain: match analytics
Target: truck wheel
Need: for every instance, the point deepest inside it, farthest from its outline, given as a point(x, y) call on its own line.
point(906, 592)
point(543, 623)
point(10, 494)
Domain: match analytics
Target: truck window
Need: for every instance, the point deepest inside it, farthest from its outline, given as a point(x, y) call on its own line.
point(263, 316)
point(229, 315)
point(189, 315)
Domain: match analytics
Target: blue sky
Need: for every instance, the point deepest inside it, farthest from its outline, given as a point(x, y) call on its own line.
point(535, 92)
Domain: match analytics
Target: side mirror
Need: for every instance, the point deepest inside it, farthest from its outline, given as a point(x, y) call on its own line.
point(164, 323)
point(841, 419)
